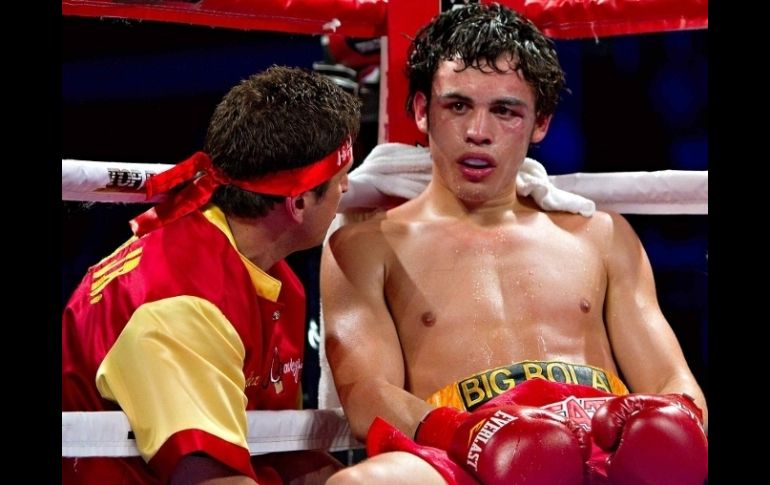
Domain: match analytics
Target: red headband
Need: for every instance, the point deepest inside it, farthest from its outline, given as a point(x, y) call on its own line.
point(288, 183)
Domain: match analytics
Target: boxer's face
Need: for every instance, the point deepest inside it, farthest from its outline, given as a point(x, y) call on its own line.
point(479, 124)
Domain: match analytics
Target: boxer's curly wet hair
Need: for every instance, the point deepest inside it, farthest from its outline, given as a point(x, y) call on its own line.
point(279, 119)
point(477, 35)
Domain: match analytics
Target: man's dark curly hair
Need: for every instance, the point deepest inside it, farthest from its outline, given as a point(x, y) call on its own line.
point(477, 35)
point(279, 119)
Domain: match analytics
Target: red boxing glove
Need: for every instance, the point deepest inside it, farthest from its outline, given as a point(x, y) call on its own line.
point(509, 444)
point(653, 439)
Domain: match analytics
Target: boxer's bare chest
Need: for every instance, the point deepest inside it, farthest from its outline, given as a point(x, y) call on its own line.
point(464, 299)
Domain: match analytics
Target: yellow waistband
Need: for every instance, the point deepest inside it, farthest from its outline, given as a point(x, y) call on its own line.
point(473, 391)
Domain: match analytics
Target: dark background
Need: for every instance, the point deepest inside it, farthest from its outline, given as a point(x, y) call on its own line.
point(143, 92)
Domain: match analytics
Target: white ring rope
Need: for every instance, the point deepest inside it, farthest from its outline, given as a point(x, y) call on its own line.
point(106, 181)
point(106, 433)
point(397, 170)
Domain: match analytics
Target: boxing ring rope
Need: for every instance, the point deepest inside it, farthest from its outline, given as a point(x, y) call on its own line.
point(661, 192)
point(107, 433)
point(87, 434)
point(560, 19)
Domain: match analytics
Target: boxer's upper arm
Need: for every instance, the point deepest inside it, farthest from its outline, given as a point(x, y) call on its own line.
point(645, 347)
point(361, 340)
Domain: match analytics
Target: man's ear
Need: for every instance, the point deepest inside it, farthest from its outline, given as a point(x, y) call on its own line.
point(295, 207)
point(541, 128)
point(420, 108)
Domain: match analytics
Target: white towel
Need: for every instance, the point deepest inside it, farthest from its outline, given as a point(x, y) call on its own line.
point(533, 180)
point(399, 170)
point(390, 169)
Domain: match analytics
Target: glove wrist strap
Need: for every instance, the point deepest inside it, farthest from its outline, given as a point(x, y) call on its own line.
point(687, 404)
point(437, 427)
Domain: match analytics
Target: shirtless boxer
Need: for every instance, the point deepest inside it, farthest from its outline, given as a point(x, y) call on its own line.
point(446, 317)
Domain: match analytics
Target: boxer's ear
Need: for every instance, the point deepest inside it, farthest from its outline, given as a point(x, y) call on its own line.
point(420, 109)
point(540, 129)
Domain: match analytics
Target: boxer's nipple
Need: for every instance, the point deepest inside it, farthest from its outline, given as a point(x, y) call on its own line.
point(428, 319)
